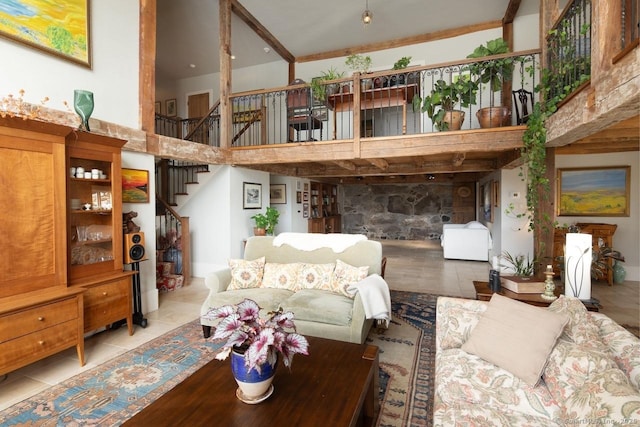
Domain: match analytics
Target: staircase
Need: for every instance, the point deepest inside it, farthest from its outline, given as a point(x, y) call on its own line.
point(173, 258)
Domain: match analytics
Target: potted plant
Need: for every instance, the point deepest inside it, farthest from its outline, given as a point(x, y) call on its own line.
point(400, 64)
point(255, 345)
point(492, 73)
point(440, 104)
point(520, 266)
point(266, 223)
point(320, 88)
point(361, 64)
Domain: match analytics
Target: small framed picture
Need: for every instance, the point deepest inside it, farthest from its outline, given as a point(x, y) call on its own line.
point(305, 210)
point(252, 195)
point(305, 196)
point(171, 107)
point(158, 107)
point(278, 194)
point(135, 186)
point(298, 196)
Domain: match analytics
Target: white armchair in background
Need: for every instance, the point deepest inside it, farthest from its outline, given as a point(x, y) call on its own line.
point(471, 241)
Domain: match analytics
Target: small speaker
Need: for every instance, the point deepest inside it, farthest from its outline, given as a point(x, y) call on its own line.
point(134, 248)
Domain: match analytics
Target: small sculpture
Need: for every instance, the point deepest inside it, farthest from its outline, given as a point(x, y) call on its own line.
point(127, 222)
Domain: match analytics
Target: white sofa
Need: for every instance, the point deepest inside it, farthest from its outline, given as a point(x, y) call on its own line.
point(590, 375)
point(471, 241)
point(317, 312)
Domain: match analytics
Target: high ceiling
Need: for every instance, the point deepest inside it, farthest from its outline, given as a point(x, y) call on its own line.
point(187, 30)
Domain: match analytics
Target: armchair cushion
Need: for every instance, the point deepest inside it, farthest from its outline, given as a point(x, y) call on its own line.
point(516, 336)
point(345, 275)
point(281, 276)
point(246, 274)
point(316, 276)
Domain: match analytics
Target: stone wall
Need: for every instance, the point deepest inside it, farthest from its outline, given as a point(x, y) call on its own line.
point(398, 211)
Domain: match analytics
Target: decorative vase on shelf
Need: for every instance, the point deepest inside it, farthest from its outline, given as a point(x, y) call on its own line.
point(619, 273)
point(253, 386)
point(83, 104)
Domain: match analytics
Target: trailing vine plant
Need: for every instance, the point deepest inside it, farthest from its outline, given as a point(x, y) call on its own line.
point(553, 89)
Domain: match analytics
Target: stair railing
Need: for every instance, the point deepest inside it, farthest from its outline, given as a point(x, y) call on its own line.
point(173, 240)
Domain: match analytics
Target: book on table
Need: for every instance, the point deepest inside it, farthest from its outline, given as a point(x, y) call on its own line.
point(522, 284)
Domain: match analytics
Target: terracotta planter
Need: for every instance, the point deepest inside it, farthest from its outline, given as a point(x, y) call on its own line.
point(259, 231)
point(493, 117)
point(454, 119)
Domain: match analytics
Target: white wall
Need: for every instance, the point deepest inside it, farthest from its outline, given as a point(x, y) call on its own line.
point(291, 215)
point(627, 236)
point(146, 221)
point(113, 78)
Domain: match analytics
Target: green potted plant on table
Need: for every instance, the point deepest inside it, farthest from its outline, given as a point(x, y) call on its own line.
point(255, 345)
point(361, 64)
point(440, 104)
point(320, 88)
point(492, 73)
point(266, 223)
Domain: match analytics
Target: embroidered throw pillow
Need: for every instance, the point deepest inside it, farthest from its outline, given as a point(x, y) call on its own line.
point(344, 275)
point(281, 276)
point(246, 274)
point(316, 276)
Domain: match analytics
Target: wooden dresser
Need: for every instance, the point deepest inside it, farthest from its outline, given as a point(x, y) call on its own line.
point(602, 234)
point(54, 287)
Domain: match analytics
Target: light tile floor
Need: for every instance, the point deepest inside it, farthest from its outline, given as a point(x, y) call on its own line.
point(415, 266)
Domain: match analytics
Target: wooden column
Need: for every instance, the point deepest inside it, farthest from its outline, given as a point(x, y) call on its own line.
point(225, 73)
point(147, 66)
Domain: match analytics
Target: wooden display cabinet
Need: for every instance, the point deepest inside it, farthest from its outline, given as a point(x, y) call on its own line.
point(325, 215)
point(94, 205)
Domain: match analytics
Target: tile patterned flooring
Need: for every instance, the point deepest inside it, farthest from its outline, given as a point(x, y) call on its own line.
point(415, 266)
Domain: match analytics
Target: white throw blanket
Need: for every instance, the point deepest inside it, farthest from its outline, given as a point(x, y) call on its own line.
point(337, 242)
point(375, 296)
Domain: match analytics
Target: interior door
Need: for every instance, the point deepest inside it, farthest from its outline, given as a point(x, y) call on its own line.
point(198, 107)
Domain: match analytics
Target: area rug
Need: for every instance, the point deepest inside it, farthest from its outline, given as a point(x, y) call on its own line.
point(113, 392)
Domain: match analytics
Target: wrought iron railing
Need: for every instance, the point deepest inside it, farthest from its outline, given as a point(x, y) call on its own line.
point(172, 177)
point(173, 239)
point(569, 50)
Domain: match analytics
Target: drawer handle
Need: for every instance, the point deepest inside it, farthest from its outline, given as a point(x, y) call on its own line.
point(104, 294)
point(41, 319)
point(41, 342)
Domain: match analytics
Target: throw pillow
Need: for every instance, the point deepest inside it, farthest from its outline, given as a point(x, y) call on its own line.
point(316, 276)
point(516, 337)
point(281, 276)
point(581, 328)
point(344, 275)
point(246, 274)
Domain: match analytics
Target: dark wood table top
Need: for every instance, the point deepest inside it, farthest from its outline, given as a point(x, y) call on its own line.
point(336, 385)
point(484, 293)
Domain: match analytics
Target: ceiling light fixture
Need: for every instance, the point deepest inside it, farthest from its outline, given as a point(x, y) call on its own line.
point(367, 16)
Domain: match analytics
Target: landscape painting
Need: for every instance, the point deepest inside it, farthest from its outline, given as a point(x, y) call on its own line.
point(135, 186)
point(60, 28)
point(598, 191)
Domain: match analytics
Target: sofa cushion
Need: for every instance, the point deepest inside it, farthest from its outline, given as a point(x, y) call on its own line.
point(464, 378)
point(345, 275)
point(316, 276)
point(580, 329)
point(314, 305)
point(281, 276)
point(623, 347)
point(516, 336)
point(267, 299)
point(456, 319)
point(246, 274)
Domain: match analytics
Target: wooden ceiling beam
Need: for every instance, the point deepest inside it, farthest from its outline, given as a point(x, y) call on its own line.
point(345, 164)
point(458, 159)
point(381, 164)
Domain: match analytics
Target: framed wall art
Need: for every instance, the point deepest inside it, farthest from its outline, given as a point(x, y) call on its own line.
point(487, 205)
point(278, 194)
point(595, 191)
point(41, 25)
point(170, 107)
point(158, 107)
point(135, 186)
point(251, 195)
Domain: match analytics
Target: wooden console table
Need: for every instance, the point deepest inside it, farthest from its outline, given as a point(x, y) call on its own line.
point(383, 97)
point(484, 293)
point(599, 232)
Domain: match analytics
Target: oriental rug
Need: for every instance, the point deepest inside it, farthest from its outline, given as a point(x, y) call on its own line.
point(113, 392)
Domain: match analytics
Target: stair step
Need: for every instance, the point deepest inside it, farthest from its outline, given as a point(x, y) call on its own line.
point(192, 182)
point(181, 194)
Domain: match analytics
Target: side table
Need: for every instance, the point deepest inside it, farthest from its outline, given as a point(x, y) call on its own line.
point(484, 293)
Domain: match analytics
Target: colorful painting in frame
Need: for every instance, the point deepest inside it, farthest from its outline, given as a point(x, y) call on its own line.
point(58, 28)
point(135, 186)
point(596, 191)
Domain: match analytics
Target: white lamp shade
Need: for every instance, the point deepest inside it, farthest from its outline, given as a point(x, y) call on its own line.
point(577, 266)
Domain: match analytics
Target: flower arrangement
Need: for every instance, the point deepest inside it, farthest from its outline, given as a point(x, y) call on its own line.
point(13, 106)
point(262, 339)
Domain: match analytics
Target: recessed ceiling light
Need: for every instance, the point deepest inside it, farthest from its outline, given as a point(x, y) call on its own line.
point(192, 65)
point(267, 50)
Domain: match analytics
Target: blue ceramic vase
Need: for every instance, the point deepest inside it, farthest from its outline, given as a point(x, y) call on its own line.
point(253, 386)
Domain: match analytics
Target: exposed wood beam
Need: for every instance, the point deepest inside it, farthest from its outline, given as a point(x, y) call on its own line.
point(458, 158)
point(345, 164)
point(603, 146)
point(261, 31)
point(511, 12)
point(381, 164)
point(404, 41)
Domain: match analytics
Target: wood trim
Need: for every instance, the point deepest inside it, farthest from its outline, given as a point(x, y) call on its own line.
point(404, 41)
point(147, 66)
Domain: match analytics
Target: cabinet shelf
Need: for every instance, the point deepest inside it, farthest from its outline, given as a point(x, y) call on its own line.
point(92, 242)
point(91, 180)
point(92, 211)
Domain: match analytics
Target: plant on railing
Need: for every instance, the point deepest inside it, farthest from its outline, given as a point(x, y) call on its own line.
point(319, 87)
point(359, 63)
point(402, 63)
point(440, 104)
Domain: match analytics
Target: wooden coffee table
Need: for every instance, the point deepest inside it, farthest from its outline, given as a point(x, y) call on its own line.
point(336, 385)
point(484, 292)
